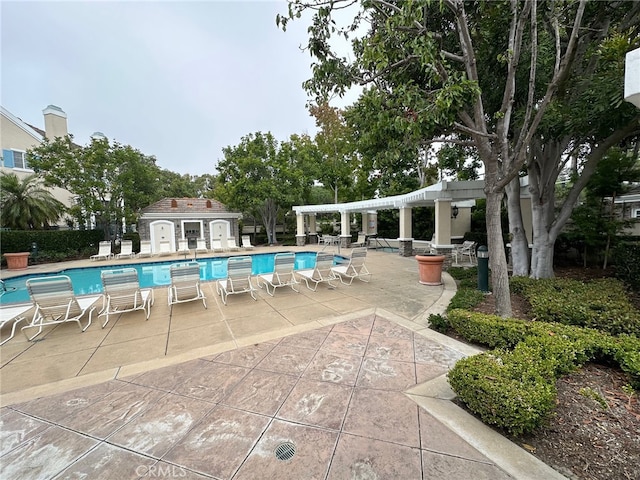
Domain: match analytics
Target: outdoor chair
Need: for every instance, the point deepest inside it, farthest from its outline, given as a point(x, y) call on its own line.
point(429, 249)
point(185, 283)
point(56, 303)
point(355, 268)
point(165, 248)
point(145, 249)
point(104, 251)
point(321, 273)
point(238, 278)
point(126, 249)
point(283, 274)
point(201, 246)
point(183, 246)
point(361, 242)
point(466, 249)
point(122, 293)
point(216, 245)
point(246, 242)
point(232, 246)
point(13, 314)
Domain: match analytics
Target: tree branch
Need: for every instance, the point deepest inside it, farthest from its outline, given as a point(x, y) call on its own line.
point(632, 128)
point(471, 131)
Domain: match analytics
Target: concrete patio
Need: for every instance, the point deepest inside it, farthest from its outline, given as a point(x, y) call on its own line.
point(338, 383)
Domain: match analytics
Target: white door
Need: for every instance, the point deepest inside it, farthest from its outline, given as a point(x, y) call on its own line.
point(220, 229)
point(162, 231)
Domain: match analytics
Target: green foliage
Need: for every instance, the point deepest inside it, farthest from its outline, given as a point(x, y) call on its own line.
point(512, 386)
point(601, 304)
point(53, 245)
point(507, 389)
point(109, 180)
point(337, 157)
point(592, 394)
point(264, 178)
point(466, 298)
point(460, 273)
point(488, 330)
point(626, 258)
point(439, 323)
point(26, 203)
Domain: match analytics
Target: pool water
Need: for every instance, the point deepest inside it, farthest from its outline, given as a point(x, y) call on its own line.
point(87, 280)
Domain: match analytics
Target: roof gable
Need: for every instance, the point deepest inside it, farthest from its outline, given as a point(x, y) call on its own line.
point(22, 125)
point(186, 205)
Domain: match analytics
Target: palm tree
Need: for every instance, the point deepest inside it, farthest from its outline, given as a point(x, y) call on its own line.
point(25, 204)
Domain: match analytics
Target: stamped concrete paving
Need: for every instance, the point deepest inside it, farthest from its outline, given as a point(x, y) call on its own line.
point(349, 376)
point(335, 393)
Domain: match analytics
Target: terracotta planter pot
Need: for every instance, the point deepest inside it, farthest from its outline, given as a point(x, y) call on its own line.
point(17, 261)
point(430, 268)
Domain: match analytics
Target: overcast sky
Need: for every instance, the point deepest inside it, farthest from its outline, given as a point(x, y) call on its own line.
point(176, 80)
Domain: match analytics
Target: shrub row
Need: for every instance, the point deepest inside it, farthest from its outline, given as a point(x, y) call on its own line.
point(52, 244)
point(513, 385)
point(602, 304)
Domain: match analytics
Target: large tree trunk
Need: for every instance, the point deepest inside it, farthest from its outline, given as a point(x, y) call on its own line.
point(497, 258)
point(269, 214)
point(544, 240)
point(519, 242)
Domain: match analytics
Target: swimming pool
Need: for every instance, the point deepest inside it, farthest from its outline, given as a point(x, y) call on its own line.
point(87, 280)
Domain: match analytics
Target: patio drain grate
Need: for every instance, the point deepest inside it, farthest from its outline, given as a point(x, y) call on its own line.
point(285, 451)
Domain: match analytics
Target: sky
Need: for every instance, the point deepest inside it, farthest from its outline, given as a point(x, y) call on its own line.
point(176, 80)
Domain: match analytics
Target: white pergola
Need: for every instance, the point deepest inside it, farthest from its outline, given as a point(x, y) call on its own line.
point(441, 195)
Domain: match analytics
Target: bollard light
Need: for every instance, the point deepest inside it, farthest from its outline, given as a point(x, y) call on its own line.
point(34, 249)
point(483, 268)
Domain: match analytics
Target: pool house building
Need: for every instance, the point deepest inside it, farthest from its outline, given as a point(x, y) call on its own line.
point(174, 219)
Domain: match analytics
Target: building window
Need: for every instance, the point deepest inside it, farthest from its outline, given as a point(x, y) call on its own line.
point(636, 214)
point(15, 159)
point(20, 159)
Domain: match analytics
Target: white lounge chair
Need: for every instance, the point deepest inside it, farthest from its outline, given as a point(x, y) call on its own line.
point(361, 242)
point(232, 246)
point(355, 268)
point(283, 273)
point(321, 273)
point(165, 248)
point(126, 249)
point(145, 249)
point(185, 283)
point(216, 245)
point(122, 293)
point(13, 314)
point(56, 303)
point(104, 251)
point(246, 242)
point(238, 278)
point(183, 246)
point(201, 246)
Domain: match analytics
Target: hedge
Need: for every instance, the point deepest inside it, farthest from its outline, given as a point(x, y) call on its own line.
point(513, 385)
point(602, 304)
point(52, 244)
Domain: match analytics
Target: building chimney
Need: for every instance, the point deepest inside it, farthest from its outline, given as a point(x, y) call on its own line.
point(55, 122)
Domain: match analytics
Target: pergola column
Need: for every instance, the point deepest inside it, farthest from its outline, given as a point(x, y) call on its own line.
point(364, 223)
point(345, 229)
point(405, 241)
point(300, 235)
point(313, 233)
point(372, 226)
point(443, 222)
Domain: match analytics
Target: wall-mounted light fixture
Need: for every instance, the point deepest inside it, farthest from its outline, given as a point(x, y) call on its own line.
point(454, 211)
